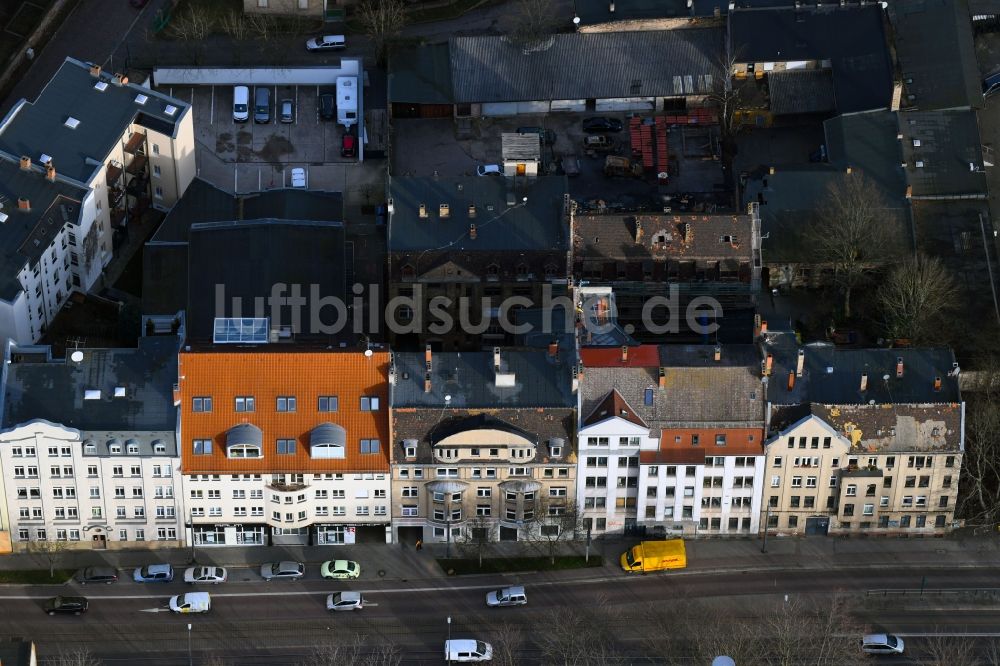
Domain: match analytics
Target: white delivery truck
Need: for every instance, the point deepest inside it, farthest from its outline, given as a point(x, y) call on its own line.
point(347, 101)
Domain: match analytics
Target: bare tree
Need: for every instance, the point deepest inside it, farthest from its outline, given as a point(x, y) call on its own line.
point(536, 21)
point(262, 25)
point(556, 522)
point(507, 641)
point(357, 651)
point(477, 538)
point(852, 232)
point(579, 638)
point(236, 26)
point(948, 651)
point(78, 657)
point(195, 24)
point(915, 297)
point(727, 94)
point(382, 20)
point(50, 552)
point(979, 502)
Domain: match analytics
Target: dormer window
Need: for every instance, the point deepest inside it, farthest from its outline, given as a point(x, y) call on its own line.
point(244, 441)
point(408, 272)
point(89, 448)
point(410, 448)
point(493, 270)
point(556, 445)
point(522, 270)
point(115, 449)
point(328, 441)
point(550, 270)
point(244, 451)
point(133, 449)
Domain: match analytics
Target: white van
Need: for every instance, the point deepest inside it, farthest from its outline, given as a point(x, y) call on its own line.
point(241, 104)
point(467, 650)
point(192, 602)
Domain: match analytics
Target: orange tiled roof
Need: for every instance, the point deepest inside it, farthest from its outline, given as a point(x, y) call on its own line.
point(643, 356)
point(266, 375)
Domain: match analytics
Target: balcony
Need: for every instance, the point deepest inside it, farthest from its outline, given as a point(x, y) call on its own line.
point(862, 472)
point(137, 166)
point(114, 172)
point(136, 144)
point(287, 487)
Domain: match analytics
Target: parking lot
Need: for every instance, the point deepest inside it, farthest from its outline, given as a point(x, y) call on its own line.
point(450, 148)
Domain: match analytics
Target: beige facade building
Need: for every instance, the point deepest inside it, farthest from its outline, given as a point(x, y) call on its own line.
point(308, 8)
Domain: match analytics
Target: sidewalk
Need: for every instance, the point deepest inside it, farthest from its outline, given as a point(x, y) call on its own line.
point(400, 562)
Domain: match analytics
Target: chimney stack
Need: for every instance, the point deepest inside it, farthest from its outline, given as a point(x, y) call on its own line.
point(864, 381)
point(899, 367)
point(428, 357)
point(763, 326)
point(937, 383)
point(768, 364)
point(427, 382)
point(50, 173)
point(663, 378)
point(718, 353)
point(638, 231)
point(472, 232)
point(800, 363)
point(624, 353)
point(496, 359)
point(554, 348)
point(23, 204)
point(95, 70)
point(791, 380)
point(25, 163)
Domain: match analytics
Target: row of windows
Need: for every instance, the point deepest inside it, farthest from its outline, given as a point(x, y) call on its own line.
point(41, 534)
point(285, 403)
point(884, 522)
point(204, 447)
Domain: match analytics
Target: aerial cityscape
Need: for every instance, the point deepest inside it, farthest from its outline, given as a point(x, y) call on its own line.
point(528, 332)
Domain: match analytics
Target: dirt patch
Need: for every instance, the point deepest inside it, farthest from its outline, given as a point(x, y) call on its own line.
point(275, 147)
point(224, 143)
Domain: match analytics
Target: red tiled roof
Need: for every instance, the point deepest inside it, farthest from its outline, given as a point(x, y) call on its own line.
point(266, 375)
point(643, 356)
point(613, 405)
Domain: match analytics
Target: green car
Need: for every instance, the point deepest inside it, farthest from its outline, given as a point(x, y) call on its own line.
point(340, 569)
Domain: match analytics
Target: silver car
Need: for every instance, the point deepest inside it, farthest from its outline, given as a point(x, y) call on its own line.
point(214, 575)
point(506, 596)
point(345, 601)
point(282, 571)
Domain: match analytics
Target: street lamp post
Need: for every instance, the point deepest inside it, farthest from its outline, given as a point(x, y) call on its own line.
point(190, 658)
point(449, 640)
point(767, 520)
point(191, 520)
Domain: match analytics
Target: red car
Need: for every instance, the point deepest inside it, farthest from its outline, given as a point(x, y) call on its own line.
point(348, 146)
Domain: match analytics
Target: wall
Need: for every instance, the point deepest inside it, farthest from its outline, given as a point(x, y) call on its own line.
point(312, 9)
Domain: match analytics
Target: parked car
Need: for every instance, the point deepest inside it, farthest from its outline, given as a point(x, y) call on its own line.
point(73, 605)
point(154, 573)
point(348, 145)
point(506, 596)
point(571, 166)
point(105, 575)
point(548, 136)
point(881, 644)
point(298, 177)
point(599, 143)
point(192, 602)
point(327, 107)
point(345, 601)
point(489, 170)
point(214, 575)
point(340, 569)
point(381, 214)
point(282, 571)
point(326, 43)
point(600, 124)
point(466, 650)
point(286, 111)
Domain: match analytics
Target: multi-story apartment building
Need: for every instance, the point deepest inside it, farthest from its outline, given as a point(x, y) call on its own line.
point(861, 440)
point(483, 441)
point(77, 166)
point(88, 449)
point(681, 257)
point(465, 253)
point(671, 439)
point(877, 469)
point(284, 445)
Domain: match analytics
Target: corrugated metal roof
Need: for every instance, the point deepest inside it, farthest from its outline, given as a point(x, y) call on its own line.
point(581, 66)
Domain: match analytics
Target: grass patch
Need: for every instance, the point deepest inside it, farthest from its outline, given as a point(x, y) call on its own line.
point(451, 11)
point(35, 577)
point(463, 567)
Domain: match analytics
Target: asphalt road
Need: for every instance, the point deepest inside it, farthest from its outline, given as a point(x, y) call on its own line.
point(281, 622)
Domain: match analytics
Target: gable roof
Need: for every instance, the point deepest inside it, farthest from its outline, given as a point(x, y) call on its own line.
point(469, 380)
point(851, 38)
point(944, 76)
point(503, 219)
point(579, 66)
point(267, 374)
point(614, 406)
point(55, 390)
point(38, 127)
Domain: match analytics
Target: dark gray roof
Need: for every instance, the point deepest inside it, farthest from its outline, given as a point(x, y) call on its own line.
point(936, 54)
point(832, 375)
point(14, 652)
point(547, 325)
point(903, 428)
point(867, 141)
point(420, 74)
point(249, 257)
point(801, 91)
point(538, 224)
point(598, 11)
point(146, 440)
point(580, 66)
point(614, 237)
point(469, 378)
point(949, 144)
point(852, 38)
point(55, 390)
point(165, 256)
point(39, 127)
point(26, 234)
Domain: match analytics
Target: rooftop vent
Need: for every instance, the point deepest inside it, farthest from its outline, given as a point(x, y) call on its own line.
point(101, 86)
point(3, 217)
point(444, 211)
point(422, 211)
point(25, 162)
point(95, 70)
point(919, 164)
point(72, 122)
point(170, 109)
point(92, 394)
point(119, 391)
point(916, 143)
point(141, 99)
point(23, 204)
point(472, 210)
point(45, 159)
